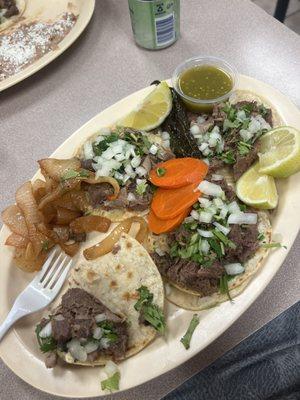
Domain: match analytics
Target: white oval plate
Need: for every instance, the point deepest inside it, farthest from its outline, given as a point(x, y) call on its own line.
point(19, 349)
point(38, 10)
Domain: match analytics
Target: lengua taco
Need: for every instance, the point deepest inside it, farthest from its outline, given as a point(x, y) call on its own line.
point(211, 257)
point(112, 309)
point(10, 12)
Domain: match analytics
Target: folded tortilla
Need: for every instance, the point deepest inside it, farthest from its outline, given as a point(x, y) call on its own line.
point(114, 279)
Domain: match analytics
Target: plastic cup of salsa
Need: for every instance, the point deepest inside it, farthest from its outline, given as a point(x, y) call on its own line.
point(203, 81)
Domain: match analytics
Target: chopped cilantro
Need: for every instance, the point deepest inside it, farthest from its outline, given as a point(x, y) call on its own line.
point(103, 145)
point(111, 383)
point(108, 331)
point(260, 237)
point(224, 239)
point(244, 148)
point(186, 339)
point(228, 157)
point(160, 171)
point(215, 245)
point(71, 174)
point(230, 124)
point(150, 312)
point(141, 188)
point(223, 286)
point(273, 245)
point(45, 245)
point(243, 207)
point(46, 344)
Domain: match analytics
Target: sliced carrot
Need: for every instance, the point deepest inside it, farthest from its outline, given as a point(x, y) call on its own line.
point(158, 226)
point(178, 172)
point(169, 203)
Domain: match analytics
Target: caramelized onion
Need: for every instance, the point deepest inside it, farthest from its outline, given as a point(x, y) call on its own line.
point(59, 191)
point(12, 217)
point(70, 249)
point(107, 244)
point(39, 189)
point(56, 169)
point(90, 223)
point(16, 240)
point(64, 216)
point(29, 264)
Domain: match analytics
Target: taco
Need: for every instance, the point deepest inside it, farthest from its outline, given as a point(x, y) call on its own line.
point(126, 155)
point(10, 12)
point(105, 313)
point(212, 256)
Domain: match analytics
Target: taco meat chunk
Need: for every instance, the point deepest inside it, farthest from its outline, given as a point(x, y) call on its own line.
point(84, 325)
point(245, 238)
point(10, 7)
point(190, 274)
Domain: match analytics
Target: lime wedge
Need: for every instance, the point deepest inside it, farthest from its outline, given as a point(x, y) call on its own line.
point(152, 111)
point(256, 189)
point(280, 152)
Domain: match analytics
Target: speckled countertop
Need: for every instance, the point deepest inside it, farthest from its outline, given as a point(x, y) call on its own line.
point(103, 66)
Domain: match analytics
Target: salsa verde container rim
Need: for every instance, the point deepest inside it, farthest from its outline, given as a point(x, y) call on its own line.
point(205, 60)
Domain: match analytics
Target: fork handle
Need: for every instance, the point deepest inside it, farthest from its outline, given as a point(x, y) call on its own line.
point(14, 315)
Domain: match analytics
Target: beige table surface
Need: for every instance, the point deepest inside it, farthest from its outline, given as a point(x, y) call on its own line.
point(103, 66)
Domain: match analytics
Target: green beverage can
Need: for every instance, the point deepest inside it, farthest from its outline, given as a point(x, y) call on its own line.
point(155, 23)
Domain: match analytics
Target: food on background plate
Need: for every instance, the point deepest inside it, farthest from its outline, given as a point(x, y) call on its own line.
point(10, 12)
point(30, 41)
point(113, 308)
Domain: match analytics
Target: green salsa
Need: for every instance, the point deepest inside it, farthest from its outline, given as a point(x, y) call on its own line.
point(204, 82)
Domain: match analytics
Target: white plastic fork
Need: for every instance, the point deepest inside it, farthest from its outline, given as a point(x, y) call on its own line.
point(41, 291)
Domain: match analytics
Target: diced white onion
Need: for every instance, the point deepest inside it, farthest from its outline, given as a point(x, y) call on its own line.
point(165, 135)
point(188, 220)
point(234, 268)
point(206, 234)
point(206, 160)
point(233, 208)
point(100, 317)
point(195, 130)
point(218, 202)
point(216, 177)
point(77, 351)
point(210, 189)
point(120, 157)
point(91, 346)
point(153, 149)
point(254, 125)
point(204, 202)
point(97, 334)
point(104, 343)
point(88, 151)
point(108, 154)
point(166, 143)
point(46, 331)
point(224, 211)
point(205, 217)
point(141, 171)
point(195, 215)
point(245, 135)
point(140, 181)
point(125, 178)
point(103, 172)
point(168, 289)
point(200, 120)
point(135, 162)
point(110, 368)
point(159, 251)
point(241, 115)
point(131, 197)
point(203, 146)
point(222, 228)
point(118, 176)
point(128, 169)
point(204, 246)
point(243, 218)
